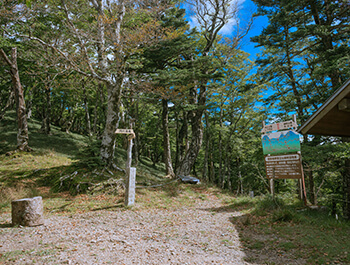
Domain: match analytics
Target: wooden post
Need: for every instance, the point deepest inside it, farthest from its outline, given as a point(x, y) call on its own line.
point(272, 184)
point(302, 183)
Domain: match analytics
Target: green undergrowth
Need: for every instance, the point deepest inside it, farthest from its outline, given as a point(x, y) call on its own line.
point(62, 162)
point(284, 230)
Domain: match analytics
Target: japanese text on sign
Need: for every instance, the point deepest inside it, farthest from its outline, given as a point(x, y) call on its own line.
point(125, 131)
point(283, 166)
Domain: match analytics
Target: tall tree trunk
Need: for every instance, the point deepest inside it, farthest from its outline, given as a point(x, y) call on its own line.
point(346, 184)
point(136, 148)
point(45, 126)
point(166, 140)
point(22, 134)
point(112, 121)
point(195, 145)
point(313, 197)
point(221, 177)
point(181, 141)
point(197, 129)
point(30, 104)
point(207, 146)
point(9, 103)
point(86, 107)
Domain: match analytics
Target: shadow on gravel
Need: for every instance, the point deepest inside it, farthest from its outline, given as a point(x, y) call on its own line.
point(256, 244)
point(6, 225)
point(120, 205)
point(223, 209)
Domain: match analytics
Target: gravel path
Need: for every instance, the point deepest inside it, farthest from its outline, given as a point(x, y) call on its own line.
point(200, 234)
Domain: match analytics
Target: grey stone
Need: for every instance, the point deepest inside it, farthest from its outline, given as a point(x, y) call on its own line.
point(27, 212)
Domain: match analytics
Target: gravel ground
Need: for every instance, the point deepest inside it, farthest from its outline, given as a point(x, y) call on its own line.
point(199, 234)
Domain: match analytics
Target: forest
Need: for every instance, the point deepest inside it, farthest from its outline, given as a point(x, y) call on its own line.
point(195, 100)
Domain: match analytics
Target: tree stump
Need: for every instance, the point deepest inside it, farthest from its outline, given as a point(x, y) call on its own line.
point(27, 212)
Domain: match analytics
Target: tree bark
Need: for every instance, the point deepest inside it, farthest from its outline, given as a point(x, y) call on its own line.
point(9, 103)
point(112, 121)
point(166, 140)
point(45, 125)
point(22, 134)
point(313, 197)
point(181, 141)
point(346, 184)
point(195, 145)
point(207, 146)
point(221, 175)
point(86, 107)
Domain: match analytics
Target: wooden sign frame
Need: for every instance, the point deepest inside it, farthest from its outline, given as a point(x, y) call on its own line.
point(292, 124)
point(283, 166)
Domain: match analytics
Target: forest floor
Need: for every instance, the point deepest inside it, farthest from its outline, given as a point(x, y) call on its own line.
point(195, 226)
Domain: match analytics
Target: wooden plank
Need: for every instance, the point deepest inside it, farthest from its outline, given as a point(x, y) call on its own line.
point(125, 131)
point(279, 126)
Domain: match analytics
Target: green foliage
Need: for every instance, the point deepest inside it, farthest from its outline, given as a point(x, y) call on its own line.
point(269, 203)
point(283, 215)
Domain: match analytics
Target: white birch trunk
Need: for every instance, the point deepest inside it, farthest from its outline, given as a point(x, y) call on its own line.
point(112, 122)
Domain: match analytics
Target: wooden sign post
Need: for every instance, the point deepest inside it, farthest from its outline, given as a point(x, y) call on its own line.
point(130, 171)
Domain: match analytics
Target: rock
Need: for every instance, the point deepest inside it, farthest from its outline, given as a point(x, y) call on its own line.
point(189, 179)
point(27, 212)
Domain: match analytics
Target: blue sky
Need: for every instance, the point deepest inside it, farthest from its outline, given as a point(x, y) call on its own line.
point(258, 25)
point(247, 8)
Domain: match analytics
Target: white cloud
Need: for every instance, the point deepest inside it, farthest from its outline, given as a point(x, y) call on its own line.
point(228, 28)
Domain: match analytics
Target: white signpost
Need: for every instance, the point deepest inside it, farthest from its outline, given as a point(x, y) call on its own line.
point(130, 171)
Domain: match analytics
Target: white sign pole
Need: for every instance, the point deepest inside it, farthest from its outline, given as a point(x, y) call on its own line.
point(130, 171)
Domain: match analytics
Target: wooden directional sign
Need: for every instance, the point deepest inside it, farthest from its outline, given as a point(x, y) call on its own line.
point(283, 166)
point(280, 126)
point(125, 131)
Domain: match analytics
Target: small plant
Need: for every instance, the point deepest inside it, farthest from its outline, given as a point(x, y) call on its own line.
point(269, 203)
point(282, 215)
point(89, 155)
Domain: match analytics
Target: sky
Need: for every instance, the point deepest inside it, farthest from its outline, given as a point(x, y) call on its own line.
point(258, 25)
point(247, 8)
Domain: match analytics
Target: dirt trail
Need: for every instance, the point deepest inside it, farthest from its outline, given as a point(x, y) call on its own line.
point(199, 234)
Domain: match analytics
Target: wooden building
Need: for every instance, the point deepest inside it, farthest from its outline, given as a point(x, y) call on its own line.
point(333, 119)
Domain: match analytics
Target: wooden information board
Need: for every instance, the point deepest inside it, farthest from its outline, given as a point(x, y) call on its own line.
point(283, 166)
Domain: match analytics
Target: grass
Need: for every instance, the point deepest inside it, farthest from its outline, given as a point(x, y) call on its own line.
point(282, 227)
point(50, 169)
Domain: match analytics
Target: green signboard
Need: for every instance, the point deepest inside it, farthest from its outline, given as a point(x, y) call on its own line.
point(281, 142)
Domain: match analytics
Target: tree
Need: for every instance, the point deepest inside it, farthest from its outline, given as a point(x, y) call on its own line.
point(22, 134)
point(212, 17)
point(310, 38)
point(96, 39)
